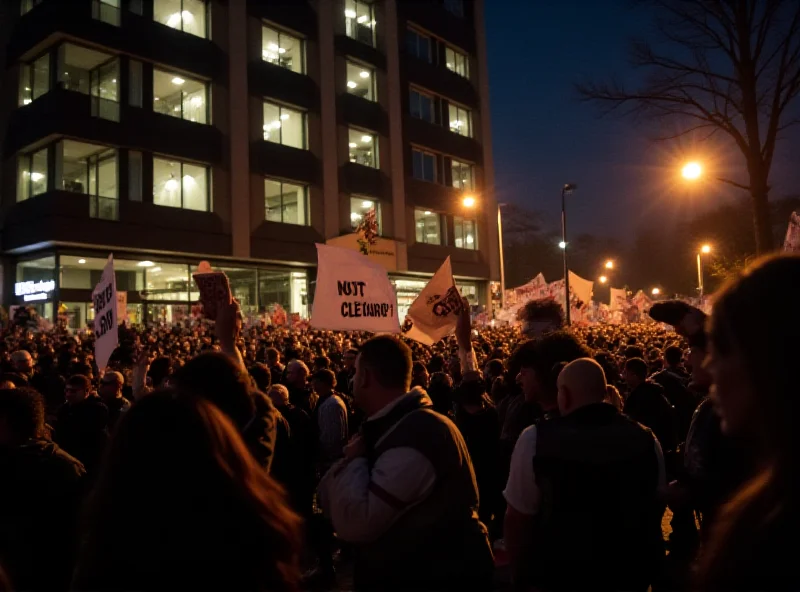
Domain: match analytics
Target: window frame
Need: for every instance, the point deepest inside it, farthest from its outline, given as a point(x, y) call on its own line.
point(376, 162)
point(353, 21)
point(458, 225)
point(425, 153)
point(376, 203)
point(450, 7)
point(26, 160)
point(456, 55)
point(29, 86)
point(461, 164)
point(419, 36)
point(183, 163)
point(459, 111)
point(206, 20)
point(282, 182)
point(373, 76)
point(422, 94)
point(300, 40)
point(281, 107)
point(206, 99)
point(441, 224)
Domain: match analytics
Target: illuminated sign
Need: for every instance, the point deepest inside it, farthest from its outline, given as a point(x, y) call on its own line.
point(31, 291)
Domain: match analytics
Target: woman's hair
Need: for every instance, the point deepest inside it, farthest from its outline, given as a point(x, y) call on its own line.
point(756, 317)
point(181, 504)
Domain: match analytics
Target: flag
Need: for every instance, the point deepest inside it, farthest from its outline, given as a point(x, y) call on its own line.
point(619, 299)
point(434, 313)
point(104, 297)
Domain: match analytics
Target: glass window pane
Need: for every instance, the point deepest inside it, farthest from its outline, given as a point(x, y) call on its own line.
point(428, 227)
point(456, 62)
point(272, 200)
point(76, 64)
point(168, 12)
point(23, 177)
point(292, 128)
point(460, 121)
point(361, 81)
point(166, 184)
point(25, 90)
point(282, 49)
point(426, 108)
point(194, 17)
point(272, 123)
point(39, 172)
point(462, 176)
point(178, 96)
point(135, 86)
point(293, 204)
point(41, 76)
point(135, 175)
point(167, 281)
point(107, 175)
point(363, 148)
point(194, 102)
point(195, 187)
point(359, 206)
point(360, 21)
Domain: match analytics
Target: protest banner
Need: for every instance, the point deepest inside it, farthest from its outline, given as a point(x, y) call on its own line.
point(353, 293)
point(104, 298)
point(792, 242)
point(581, 288)
point(434, 313)
point(122, 306)
point(215, 290)
point(619, 299)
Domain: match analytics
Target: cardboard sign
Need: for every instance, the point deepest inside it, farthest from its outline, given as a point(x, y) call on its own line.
point(215, 290)
point(106, 320)
point(353, 293)
point(434, 313)
point(122, 306)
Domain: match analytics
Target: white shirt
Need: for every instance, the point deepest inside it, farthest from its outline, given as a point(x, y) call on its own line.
point(521, 491)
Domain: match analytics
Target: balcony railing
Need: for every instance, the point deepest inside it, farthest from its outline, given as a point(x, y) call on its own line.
point(103, 208)
point(105, 109)
point(105, 13)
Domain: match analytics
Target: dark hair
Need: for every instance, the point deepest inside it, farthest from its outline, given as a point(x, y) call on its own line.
point(23, 408)
point(440, 390)
point(81, 368)
point(261, 376)
point(545, 354)
point(634, 351)
point(542, 310)
point(436, 363)
point(325, 376)
point(471, 392)
point(322, 362)
point(495, 367)
point(418, 367)
point(637, 366)
point(177, 467)
point(80, 381)
point(390, 358)
point(609, 365)
point(273, 354)
point(160, 370)
point(673, 355)
point(352, 351)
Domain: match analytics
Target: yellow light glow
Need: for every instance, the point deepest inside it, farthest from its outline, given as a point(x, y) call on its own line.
point(655, 291)
point(469, 202)
point(692, 171)
point(609, 264)
point(705, 249)
point(603, 279)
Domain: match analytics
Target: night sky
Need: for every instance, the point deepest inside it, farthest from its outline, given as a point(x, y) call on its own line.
point(543, 136)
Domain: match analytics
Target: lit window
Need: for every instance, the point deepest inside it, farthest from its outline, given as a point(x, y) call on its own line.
point(466, 234)
point(360, 206)
point(456, 62)
point(455, 7)
point(462, 176)
point(361, 81)
point(419, 45)
point(34, 80)
point(106, 11)
point(188, 16)
point(359, 20)
point(27, 5)
point(32, 174)
point(181, 185)
point(428, 226)
point(460, 120)
point(282, 49)
point(285, 202)
point(284, 126)
point(421, 106)
point(423, 165)
point(363, 148)
point(91, 72)
point(178, 96)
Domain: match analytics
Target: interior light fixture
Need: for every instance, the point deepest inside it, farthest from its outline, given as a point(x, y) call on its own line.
point(156, 269)
point(273, 47)
point(353, 145)
point(427, 213)
point(145, 264)
point(362, 19)
point(178, 80)
point(81, 261)
point(366, 204)
point(196, 101)
point(284, 116)
point(366, 139)
point(350, 13)
point(364, 74)
point(351, 84)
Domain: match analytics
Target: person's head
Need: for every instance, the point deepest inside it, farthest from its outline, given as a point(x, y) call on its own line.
point(322, 363)
point(111, 385)
point(22, 362)
point(539, 317)
point(493, 369)
point(635, 372)
point(279, 395)
point(261, 376)
point(77, 389)
point(634, 351)
point(609, 364)
point(273, 356)
point(673, 356)
point(383, 373)
point(580, 383)
point(21, 416)
point(419, 375)
point(160, 371)
point(350, 358)
point(222, 511)
point(297, 374)
point(471, 392)
point(323, 382)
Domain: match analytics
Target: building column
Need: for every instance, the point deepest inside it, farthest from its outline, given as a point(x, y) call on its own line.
point(328, 121)
point(239, 136)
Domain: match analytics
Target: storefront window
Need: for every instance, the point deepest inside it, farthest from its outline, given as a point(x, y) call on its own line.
point(243, 287)
point(407, 291)
point(83, 273)
point(168, 314)
point(469, 290)
point(43, 269)
point(32, 174)
point(166, 281)
point(35, 283)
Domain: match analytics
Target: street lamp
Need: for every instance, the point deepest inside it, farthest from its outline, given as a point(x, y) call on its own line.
point(502, 265)
point(704, 250)
point(603, 279)
point(609, 264)
point(566, 189)
point(468, 201)
point(562, 245)
point(655, 291)
point(692, 171)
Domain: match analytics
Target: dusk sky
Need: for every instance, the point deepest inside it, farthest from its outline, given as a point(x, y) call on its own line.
point(543, 136)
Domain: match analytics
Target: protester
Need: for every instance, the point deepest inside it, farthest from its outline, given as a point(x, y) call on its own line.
point(82, 423)
point(296, 380)
point(646, 404)
point(110, 392)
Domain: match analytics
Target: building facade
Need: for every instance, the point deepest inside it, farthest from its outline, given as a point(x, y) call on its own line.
point(241, 132)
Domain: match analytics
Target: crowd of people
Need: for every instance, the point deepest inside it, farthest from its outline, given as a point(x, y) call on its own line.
point(211, 456)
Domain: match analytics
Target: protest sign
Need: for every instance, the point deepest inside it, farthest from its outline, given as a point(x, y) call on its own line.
point(353, 293)
point(104, 298)
point(122, 306)
point(434, 313)
point(581, 288)
point(619, 299)
point(215, 290)
point(792, 242)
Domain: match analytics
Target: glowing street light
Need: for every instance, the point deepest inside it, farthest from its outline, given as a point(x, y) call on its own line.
point(609, 264)
point(562, 245)
point(704, 250)
point(603, 279)
point(692, 171)
point(655, 291)
point(468, 202)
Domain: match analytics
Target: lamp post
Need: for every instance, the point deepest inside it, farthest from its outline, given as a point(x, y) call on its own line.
point(502, 264)
point(566, 189)
point(704, 250)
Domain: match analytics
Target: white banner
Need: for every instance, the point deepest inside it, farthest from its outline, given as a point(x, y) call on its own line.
point(434, 313)
point(580, 287)
point(353, 293)
point(619, 299)
point(122, 306)
point(792, 242)
point(104, 297)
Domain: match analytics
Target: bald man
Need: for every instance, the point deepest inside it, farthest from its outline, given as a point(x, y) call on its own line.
point(583, 510)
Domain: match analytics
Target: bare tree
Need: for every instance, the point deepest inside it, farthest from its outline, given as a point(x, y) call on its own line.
point(719, 65)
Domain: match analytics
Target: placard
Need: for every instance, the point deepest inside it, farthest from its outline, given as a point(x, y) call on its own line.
point(434, 313)
point(104, 297)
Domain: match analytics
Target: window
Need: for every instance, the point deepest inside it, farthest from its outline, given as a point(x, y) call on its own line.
point(181, 185)
point(134, 175)
point(421, 106)
point(286, 202)
point(92, 170)
point(32, 174)
point(178, 96)
point(361, 81)
point(359, 207)
point(359, 21)
point(106, 11)
point(135, 77)
point(460, 121)
point(462, 176)
point(466, 233)
point(284, 126)
point(282, 49)
point(423, 165)
point(419, 45)
point(27, 5)
point(455, 7)
point(93, 73)
point(456, 62)
point(34, 80)
point(188, 16)
point(363, 148)
point(428, 227)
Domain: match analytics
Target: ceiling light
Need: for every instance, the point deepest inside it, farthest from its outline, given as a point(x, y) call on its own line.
point(27, 88)
point(171, 185)
point(281, 50)
point(114, 80)
point(364, 74)
point(354, 216)
point(276, 124)
point(284, 116)
point(145, 264)
point(366, 138)
point(362, 19)
point(351, 84)
point(81, 261)
point(427, 213)
point(35, 177)
point(174, 20)
point(353, 145)
point(470, 240)
point(156, 99)
point(350, 13)
point(189, 180)
point(366, 204)
point(178, 80)
point(196, 101)
point(272, 46)
point(176, 108)
point(26, 101)
point(156, 269)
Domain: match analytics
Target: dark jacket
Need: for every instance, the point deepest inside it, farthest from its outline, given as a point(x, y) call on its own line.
point(82, 430)
point(299, 480)
point(681, 398)
point(260, 432)
point(39, 502)
point(481, 432)
point(304, 398)
point(116, 407)
point(51, 386)
point(648, 405)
